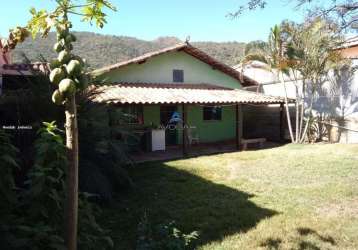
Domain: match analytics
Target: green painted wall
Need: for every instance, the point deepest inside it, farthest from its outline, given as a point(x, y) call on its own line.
point(211, 131)
point(159, 69)
point(151, 114)
point(208, 131)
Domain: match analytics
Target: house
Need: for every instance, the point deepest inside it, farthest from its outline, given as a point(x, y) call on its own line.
point(183, 91)
point(15, 75)
point(336, 100)
point(16, 79)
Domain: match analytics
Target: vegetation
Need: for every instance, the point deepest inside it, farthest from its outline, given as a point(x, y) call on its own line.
point(68, 76)
point(290, 197)
point(342, 13)
point(102, 50)
point(300, 51)
point(32, 215)
point(67, 72)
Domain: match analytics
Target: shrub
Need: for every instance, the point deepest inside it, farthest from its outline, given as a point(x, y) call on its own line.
point(33, 218)
point(163, 237)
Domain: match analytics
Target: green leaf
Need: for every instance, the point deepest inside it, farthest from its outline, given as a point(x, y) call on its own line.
point(10, 160)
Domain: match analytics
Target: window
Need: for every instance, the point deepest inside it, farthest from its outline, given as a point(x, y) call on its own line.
point(132, 114)
point(178, 75)
point(212, 113)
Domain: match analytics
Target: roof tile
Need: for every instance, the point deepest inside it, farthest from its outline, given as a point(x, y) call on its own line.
point(158, 93)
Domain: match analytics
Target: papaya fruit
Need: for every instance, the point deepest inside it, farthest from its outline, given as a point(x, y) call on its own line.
point(57, 75)
point(74, 68)
point(64, 56)
point(57, 97)
point(58, 47)
point(63, 67)
point(74, 38)
point(69, 46)
point(82, 82)
point(70, 38)
point(67, 87)
point(82, 61)
point(54, 64)
point(62, 32)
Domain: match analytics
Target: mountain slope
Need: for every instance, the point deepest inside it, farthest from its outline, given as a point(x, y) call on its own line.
point(102, 50)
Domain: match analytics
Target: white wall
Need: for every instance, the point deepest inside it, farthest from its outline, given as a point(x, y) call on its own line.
point(338, 97)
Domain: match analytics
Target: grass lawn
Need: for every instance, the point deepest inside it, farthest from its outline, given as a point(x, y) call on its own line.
point(290, 197)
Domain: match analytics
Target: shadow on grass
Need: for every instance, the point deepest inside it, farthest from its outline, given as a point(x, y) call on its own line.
point(315, 242)
point(166, 193)
point(271, 243)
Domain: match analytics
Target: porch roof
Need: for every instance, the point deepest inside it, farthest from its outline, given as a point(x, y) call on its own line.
point(159, 93)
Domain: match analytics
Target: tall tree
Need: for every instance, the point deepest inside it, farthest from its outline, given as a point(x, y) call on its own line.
point(273, 55)
point(300, 51)
point(68, 75)
point(311, 46)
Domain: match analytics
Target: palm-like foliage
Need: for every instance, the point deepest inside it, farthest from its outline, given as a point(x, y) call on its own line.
point(303, 51)
point(311, 46)
point(273, 55)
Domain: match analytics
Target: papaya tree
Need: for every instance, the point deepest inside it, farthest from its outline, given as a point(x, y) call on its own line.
point(68, 76)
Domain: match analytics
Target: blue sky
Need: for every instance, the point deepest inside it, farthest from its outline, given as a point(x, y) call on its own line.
point(202, 20)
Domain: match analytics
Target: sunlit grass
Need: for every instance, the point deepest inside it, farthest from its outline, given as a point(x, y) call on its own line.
point(290, 197)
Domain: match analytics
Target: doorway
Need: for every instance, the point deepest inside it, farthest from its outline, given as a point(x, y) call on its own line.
point(166, 114)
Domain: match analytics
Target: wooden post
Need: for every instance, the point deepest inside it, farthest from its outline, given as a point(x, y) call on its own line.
point(282, 123)
point(239, 125)
point(185, 130)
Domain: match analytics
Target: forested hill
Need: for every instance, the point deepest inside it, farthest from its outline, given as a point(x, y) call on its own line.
point(101, 50)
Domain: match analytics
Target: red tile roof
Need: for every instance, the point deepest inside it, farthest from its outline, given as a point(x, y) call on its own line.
point(191, 50)
point(158, 93)
point(21, 68)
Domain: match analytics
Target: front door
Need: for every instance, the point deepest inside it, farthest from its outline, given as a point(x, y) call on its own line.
point(166, 114)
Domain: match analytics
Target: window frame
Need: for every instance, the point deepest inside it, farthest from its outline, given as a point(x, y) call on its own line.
point(213, 118)
point(175, 76)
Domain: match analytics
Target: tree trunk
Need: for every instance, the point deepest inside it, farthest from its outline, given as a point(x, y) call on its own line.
point(287, 109)
point(309, 117)
point(302, 113)
point(72, 180)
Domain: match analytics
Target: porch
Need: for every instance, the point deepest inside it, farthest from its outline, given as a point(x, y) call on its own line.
point(166, 117)
point(175, 151)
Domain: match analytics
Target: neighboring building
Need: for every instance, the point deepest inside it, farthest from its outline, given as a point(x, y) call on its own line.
point(268, 82)
point(181, 85)
point(14, 75)
point(336, 104)
point(350, 48)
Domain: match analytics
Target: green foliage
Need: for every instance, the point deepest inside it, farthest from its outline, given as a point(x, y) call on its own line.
point(91, 235)
point(33, 218)
point(102, 156)
point(163, 237)
point(7, 166)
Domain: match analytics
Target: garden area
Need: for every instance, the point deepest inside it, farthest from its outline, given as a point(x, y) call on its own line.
point(289, 197)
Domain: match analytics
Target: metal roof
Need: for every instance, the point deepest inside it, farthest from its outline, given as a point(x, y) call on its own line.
point(159, 93)
point(189, 49)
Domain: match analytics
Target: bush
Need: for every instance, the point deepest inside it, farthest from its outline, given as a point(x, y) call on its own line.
point(33, 218)
point(163, 237)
